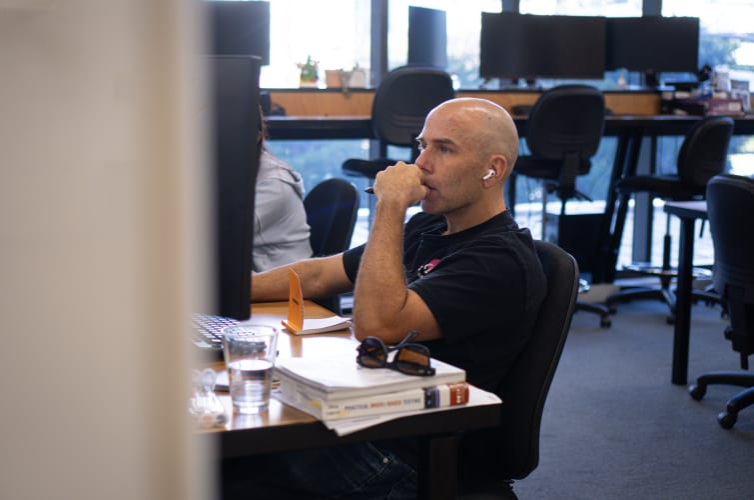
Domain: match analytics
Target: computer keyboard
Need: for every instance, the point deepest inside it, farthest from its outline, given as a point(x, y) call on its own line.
point(207, 332)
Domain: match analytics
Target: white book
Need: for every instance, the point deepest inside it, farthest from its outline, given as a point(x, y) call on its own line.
point(441, 396)
point(318, 325)
point(341, 377)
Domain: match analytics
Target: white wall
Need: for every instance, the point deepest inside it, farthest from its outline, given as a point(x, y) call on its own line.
point(98, 210)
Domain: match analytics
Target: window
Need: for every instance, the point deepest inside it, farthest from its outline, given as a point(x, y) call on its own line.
point(464, 21)
point(726, 42)
point(610, 8)
point(726, 33)
point(334, 33)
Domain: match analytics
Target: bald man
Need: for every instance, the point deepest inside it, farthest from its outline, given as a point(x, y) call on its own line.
point(461, 273)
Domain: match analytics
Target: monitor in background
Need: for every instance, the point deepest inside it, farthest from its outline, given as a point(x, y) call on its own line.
point(234, 83)
point(239, 28)
point(427, 37)
point(533, 46)
point(652, 44)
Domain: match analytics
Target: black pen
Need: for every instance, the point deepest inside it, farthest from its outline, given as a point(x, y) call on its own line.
point(369, 190)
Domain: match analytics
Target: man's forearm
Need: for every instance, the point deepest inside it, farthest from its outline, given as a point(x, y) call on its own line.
point(320, 277)
point(380, 292)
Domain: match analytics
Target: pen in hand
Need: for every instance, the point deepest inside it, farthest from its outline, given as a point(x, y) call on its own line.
point(369, 190)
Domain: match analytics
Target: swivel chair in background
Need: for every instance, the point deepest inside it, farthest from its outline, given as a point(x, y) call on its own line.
point(402, 101)
point(563, 132)
point(331, 210)
point(511, 451)
point(702, 155)
point(730, 205)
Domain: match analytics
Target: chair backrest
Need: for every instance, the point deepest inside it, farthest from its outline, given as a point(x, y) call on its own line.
point(402, 101)
point(512, 451)
point(730, 205)
point(331, 210)
point(564, 129)
point(566, 119)
point(704, 150)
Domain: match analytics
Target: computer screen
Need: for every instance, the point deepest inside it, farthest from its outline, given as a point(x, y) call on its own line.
point(234, 83)
point(427, 37)
point(239, 28)
point(652, 44)
point(534, 46)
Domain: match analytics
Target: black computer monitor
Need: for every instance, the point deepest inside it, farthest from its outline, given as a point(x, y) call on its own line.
point(234, 160)
point(652, 44)
point(427, 37)
point(239, 28)
point(533, 46)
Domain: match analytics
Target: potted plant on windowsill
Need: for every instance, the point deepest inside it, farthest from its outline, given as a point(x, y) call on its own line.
point(309, 73)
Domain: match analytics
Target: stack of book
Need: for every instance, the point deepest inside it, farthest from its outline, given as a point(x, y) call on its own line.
point(332, 389)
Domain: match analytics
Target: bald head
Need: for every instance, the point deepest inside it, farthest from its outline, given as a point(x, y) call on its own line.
point(489, 123)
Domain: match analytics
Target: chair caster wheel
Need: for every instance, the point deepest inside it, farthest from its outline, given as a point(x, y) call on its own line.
point(697, 391)
point(606, 323)
point(727, 420)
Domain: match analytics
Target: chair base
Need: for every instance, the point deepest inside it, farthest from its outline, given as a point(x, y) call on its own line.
point(743, 399)
point(602, 310)
point(665, 295)
point(592, 299)
point(644, 293)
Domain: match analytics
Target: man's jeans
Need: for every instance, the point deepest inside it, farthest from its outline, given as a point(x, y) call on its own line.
point(361, 470)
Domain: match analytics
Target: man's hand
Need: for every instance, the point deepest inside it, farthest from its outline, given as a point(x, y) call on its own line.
point(401, 182)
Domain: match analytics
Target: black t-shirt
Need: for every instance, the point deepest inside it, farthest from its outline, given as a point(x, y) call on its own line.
point(484, 286)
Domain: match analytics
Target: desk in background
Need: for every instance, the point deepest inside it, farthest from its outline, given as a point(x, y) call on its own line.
point(634, 132)
point(333, 114)
point(628, 127)
point(284, 428)
point(688, 212)
point(358, 102)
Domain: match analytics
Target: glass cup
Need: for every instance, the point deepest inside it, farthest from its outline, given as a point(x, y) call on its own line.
point(249, 351)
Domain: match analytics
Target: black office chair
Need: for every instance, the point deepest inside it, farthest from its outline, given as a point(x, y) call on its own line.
point(511, 451)
point(730, 205)
point(702, 155)
point(331, 210)
point(563, 132)
point(402, 101)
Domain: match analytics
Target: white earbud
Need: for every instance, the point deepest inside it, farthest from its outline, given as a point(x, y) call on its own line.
point(489, 175)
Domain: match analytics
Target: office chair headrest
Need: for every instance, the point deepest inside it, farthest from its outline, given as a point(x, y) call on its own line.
point(403, 99)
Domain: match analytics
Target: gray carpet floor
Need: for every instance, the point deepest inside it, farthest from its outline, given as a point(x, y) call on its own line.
point(615, 427)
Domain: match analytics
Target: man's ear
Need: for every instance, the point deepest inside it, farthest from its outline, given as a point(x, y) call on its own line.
point(499, 165)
